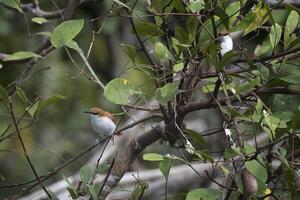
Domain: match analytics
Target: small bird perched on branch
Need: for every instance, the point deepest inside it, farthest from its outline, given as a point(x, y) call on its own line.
point(102, 122)
point(226, 42)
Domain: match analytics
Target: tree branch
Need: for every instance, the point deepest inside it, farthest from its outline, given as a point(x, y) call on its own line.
point(193, 106)
point(128, 154)
point(36, 11)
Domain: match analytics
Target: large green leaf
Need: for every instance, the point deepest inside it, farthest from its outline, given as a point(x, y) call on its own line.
point(86, 174)
point(265, 48)
point(21, 55)
point(196, 5)
point(203, 194)
point(148, 29)
point(257, 169)
point(232, 12)
point(94, 190)
point(12, 4)
point(244, 23)
point(65, 32)
point(275, 35)
point(292, 79)
point(167, 92)
point(261, 16)
point(196, 137)
point(162, 52)
point(290, 26)
point(119, 90)
point(165, 166)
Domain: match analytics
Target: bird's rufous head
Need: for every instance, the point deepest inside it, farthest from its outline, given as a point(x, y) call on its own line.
point(99, 112)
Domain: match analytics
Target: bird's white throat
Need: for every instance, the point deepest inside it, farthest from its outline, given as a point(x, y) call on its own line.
point(104, 126)
point(226, 44)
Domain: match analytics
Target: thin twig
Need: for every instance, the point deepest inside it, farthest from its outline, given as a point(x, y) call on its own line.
point(24, 148)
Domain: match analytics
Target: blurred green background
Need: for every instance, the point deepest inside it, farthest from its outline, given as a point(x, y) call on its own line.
point(62, 129)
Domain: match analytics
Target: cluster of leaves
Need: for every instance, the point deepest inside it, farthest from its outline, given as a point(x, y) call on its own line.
point(176, 36)
point(87, 185)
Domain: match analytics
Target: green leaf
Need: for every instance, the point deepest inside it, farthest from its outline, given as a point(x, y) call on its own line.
point(162, 52)
point(12, 4)
point(94, 190)
point(32, 109)
point(275, 35)
point(196, 5)
point(232, 12)
point(39, 20)
point(72, 193)
point(44, 33)
point(167, 92)
point(21, 55)
point(227, 57)
point(65, 32)
point(4, 95)
point(165, 166)
point(22, 95)
point(196, 137)
point(102, 168)
point(290, 26)
point(229, 153)
point(263, 71)
point(244, 23)
point(292, 79)
point(178, 67)
point(261, 16)
point(257, 169)
point(204, 194)
point(130, 51)
point(71, 188)
point(119, 90)
point(43, 104)
point(148, 29)
point(263, 49)
point(138, 190)
point(153, 157)
point(73, 45)
point(247, 86)
point(122, 4)
point(86, 174)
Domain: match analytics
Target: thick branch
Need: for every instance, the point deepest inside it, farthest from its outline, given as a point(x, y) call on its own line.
point(36, 11)
point(128, 154)
point(199, 105)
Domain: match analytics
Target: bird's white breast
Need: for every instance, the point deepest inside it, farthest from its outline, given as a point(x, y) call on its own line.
point(226, 44)
point(104, 126)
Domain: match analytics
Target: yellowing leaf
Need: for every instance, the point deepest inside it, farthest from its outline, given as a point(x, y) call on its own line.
point(261, 16)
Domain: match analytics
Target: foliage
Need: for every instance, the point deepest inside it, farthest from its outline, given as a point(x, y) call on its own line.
point(175, 61)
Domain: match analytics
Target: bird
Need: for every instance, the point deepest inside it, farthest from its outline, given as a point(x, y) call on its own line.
point(102, 122)
point(226, 43)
